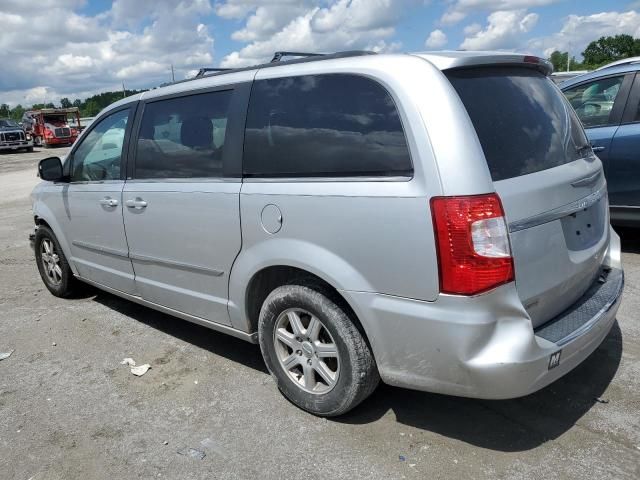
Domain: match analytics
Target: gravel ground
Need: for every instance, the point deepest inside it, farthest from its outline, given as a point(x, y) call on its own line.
point(69, 410)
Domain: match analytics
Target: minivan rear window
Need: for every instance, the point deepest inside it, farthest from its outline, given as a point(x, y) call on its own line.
point(523, 121)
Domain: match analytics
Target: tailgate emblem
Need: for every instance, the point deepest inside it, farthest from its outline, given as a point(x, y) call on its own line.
point(554, 359)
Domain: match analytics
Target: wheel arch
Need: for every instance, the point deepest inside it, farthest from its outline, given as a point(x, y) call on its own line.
point(267, 278)
point(43, 216)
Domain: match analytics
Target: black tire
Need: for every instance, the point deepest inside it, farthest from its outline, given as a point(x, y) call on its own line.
point(68, 283)
point(29, 149)
point(357, 375)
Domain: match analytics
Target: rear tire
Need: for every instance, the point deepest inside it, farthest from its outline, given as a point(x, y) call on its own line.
point(29, 149)
point(52, 264)
point(318, 358)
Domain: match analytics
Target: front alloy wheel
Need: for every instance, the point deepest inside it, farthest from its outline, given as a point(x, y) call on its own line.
point(52, 264)
point(50, 261)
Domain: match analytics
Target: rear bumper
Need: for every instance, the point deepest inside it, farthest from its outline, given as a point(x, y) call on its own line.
point(485, 346)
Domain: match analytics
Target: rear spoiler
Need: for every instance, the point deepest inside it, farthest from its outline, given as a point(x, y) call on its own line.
point(462, 59)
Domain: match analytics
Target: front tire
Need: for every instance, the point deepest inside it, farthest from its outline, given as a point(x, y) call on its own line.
point(52, 264)
point(319, 359)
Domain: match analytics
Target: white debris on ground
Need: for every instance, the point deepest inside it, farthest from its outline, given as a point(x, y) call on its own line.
point(140, 369)
point(137, 371)
point(4, 355)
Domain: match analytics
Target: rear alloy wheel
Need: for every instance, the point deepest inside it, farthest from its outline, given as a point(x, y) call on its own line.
point(306, 351)
point(319, 359)
point(52, 264)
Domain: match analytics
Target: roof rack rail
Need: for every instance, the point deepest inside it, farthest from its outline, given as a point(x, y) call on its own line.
point(308, 57)
point(277, 57)
point(203, 71)
point(624, 61)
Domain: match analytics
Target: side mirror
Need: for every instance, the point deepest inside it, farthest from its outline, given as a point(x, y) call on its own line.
point(50, 169)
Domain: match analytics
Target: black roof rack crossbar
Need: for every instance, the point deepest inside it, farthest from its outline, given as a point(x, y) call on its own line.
point(203, 71)
point(277, 57)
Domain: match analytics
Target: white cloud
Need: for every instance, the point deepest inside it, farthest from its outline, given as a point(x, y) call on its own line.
point(504, 31)
point(472, 29)
point(578, 31)
point(66, 53)
point(436, 39)
point(315, 27)
point(461, 8)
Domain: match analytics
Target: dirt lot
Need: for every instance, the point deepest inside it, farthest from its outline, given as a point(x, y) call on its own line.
point(69, 410)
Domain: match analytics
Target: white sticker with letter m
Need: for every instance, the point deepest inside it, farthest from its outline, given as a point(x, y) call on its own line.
point(554, 359)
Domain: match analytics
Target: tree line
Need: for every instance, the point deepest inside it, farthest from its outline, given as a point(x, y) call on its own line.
point(88, 108)
point(598, 53)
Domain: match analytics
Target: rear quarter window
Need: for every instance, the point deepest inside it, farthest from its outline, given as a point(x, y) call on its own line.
point(522, 120)
point(331, 125)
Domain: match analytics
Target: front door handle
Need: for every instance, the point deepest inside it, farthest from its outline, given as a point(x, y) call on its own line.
point(597, 148)
point(109, 202)
point(137, 203)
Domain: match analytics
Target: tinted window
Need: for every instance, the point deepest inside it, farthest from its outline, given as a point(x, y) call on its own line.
point(183, 137)
point(523, 122)
point(98, 157)
point(594, 101)
point(323, 125)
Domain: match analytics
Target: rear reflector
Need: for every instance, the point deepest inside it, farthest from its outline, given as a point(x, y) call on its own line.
point(473, 243)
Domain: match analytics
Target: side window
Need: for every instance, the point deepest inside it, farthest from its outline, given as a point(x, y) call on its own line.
point(323, 125)
point(98, 157)
point(183, 137)
point(593, 101)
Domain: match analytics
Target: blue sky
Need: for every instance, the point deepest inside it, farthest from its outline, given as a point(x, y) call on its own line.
point(101, 44)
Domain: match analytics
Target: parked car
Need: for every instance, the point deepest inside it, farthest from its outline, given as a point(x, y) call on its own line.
point(438, 221)
point(559, 77)
point(608, 104)
point(13, 137)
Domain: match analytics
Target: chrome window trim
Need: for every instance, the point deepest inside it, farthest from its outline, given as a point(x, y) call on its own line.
point(560, 212)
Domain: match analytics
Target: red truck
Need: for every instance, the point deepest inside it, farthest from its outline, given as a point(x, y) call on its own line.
point(51, 126)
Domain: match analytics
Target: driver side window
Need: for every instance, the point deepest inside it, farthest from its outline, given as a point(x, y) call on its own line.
point(594, 101)
point(98, 157)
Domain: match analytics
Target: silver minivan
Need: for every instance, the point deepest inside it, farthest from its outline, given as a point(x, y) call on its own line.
point(436, 221)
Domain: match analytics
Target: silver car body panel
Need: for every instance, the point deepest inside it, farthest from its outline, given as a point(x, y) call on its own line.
point(372, 239)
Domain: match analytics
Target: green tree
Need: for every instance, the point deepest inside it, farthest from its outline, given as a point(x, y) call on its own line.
point(559, 61)
point(17, 112)
point(77, 103)
point(609, 49)
point(65, 103)
point(4, 110)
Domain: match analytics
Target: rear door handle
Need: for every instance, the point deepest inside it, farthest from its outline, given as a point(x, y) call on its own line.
point(137, 203)
point(109, 202)
point(597, 148)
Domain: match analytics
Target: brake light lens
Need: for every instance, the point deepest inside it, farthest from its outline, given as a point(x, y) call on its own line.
point(473, 243)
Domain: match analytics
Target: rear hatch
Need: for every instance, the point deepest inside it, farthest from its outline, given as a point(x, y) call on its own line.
point(551, 185)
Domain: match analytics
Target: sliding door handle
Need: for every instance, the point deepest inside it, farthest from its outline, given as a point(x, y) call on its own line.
point(137, 203)
point(109, 202)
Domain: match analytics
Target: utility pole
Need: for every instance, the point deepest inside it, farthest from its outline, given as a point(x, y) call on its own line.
point(173, 76)
point(124, 92)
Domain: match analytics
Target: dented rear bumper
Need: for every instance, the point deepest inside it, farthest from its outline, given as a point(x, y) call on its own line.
point(486, 346)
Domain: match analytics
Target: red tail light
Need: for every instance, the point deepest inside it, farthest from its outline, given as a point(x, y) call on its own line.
point(473, 244)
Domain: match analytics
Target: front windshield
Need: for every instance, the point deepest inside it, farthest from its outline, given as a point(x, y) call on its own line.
point(8, 123)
